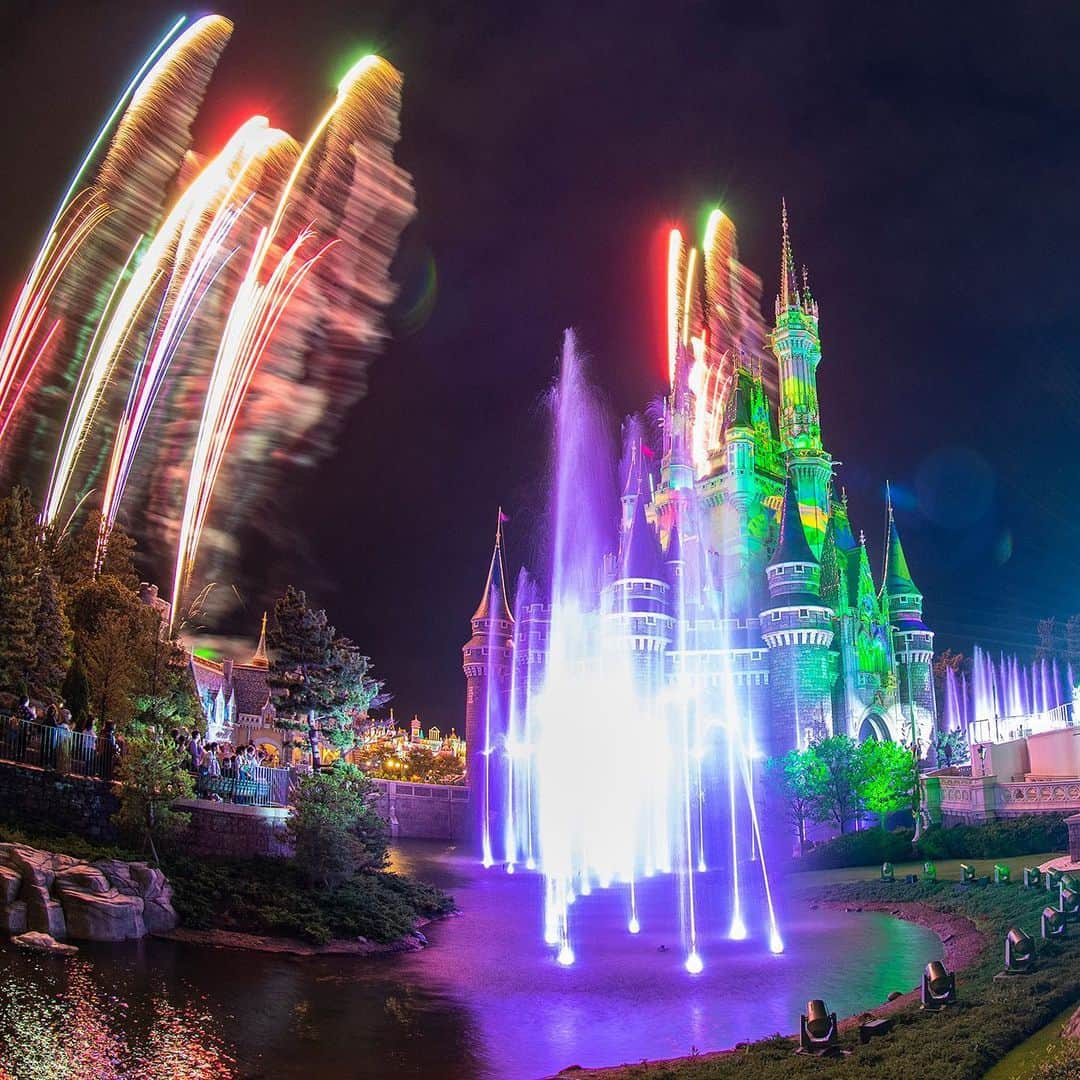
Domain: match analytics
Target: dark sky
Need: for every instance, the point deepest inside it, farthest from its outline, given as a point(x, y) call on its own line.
point(930, 157)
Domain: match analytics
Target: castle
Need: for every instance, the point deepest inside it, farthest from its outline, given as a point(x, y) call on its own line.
point(737, 563)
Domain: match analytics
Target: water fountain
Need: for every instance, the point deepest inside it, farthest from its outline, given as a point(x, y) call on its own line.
point(609, 772)
point(1004, 697)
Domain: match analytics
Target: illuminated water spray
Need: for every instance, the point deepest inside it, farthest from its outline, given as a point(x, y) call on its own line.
point(616, 768)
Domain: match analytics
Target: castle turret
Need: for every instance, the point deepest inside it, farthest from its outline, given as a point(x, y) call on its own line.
point(488, 664)
point(260, 659)
point(913, 643)
point(637, 603)
point(797, 629)
point(797, 347)
point(678, 469)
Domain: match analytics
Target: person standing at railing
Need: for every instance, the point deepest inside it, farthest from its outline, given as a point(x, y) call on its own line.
point(63, 744)
point(110, 750)
point(87, 746)
point(50, 738)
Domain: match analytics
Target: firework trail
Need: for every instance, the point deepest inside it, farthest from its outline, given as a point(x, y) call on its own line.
point(346, 180)
point(163, 308)
point(210, 208)
point(144, 158)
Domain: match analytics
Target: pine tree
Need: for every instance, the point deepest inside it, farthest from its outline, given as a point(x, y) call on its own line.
point(19, 556)
point(50, 656)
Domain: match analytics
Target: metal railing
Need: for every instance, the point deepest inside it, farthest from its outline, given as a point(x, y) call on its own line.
point(58, 749)
point(254, 785)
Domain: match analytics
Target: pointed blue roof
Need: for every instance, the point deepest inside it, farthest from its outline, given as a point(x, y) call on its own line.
point(493, 604)
point(640, 555)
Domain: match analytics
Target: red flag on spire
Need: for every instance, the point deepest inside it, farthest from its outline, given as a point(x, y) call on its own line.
point(503, 518)
point(648, 451)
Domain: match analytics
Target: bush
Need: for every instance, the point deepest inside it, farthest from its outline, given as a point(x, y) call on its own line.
point(273, 896)
point(1004, 838)
point(868, 848)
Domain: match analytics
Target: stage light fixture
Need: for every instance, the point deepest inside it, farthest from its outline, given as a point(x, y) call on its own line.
point(1002, 874)
point(1054, 922)
point(1019, 951)
point(929, 871)
point(1068, 902)
point(818, 1029)
point(967, 873)
point(887, 872)
point(938, 986)
point(1032, 877)
point(1052, 879)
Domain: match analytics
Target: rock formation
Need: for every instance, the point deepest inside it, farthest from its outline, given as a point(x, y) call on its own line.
point(106, 900)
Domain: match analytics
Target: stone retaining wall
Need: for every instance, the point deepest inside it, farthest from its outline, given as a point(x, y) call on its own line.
point(424, 811)
point(1073, 824)
point(221, 829)
point(49, 801)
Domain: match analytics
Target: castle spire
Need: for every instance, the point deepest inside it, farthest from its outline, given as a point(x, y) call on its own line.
point(792, 546)
point(261, 659)
point(789, 289)
point(493, 604)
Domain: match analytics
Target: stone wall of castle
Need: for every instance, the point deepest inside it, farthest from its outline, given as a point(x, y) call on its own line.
point(50, 802)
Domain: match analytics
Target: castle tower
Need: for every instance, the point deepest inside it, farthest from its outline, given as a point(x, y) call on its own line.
point(797, 629)
point(740, 495)
point(677, 467)
point(797, 347)
point(637, 602)
point(488, 664)
point(913, 644)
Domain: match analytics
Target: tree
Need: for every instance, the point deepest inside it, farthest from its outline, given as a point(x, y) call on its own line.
point(19, 560)
point(73, 554)
point(797, 779)
point(152, 777)
point(318, 681)
point(50, 653)
point(951, 748)
point(943, 662)
point(114, 633)
point(840, 779)
point(334, 828)
point(888, 777)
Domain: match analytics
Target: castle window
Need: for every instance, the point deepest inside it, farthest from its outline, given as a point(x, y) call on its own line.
point(780, 569)
point(803, 613)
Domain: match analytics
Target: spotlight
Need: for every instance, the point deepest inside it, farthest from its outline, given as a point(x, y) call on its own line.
point(1053, 879)
point(817, 1029)
point(929, 871)
point(1001, 874)
point(1019, 951)
point(1032, 877)
point(938, 986)
point(1068, 902)
point(1054, 922)
point(1070, 881)
point(967, 873)
point(887, 874)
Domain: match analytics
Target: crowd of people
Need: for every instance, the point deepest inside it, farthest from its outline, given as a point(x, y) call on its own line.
point(48, 736)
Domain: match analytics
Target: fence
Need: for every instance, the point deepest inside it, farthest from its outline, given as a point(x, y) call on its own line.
point(82, 753)
point(257, 785)
point(58, 749)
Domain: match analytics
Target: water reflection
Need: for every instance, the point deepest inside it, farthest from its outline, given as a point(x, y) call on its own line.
point(486, 1001)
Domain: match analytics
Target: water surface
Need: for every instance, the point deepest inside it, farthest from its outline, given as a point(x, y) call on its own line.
point(485, 1001)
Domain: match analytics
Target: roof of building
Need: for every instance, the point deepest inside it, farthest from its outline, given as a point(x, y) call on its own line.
point(640, 554)
point(897, 575)
point(792, 546)
point(260, 658)
point(493, 604)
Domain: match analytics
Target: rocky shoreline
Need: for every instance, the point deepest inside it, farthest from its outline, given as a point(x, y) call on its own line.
point(68, 898)
point(235, 939)
point(963, 942)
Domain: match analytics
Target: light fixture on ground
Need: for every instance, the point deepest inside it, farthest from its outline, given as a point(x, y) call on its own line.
point(1069, 901)
point(1019, 951)
point(1032, 877)
point(1002, 874)
point(818, 1029)
point(967, 873)
point(938, 986)
point(1052, 879)
point(929, 871)
point(887, 872)
point(1054, 922)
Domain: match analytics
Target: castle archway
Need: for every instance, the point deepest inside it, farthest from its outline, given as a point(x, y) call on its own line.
point(874, 727)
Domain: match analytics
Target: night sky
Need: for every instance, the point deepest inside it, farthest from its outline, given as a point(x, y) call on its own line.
point(931, 164)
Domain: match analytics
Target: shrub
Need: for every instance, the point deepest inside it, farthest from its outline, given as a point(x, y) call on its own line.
point(1003, 838)
point(865, 848)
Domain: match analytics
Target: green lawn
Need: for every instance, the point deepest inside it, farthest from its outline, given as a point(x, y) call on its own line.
point(948, 870)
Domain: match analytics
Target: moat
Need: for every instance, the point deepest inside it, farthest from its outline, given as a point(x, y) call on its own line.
point(485, 1000)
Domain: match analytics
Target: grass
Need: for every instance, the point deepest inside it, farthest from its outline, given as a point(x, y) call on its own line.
point(960, 1043)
